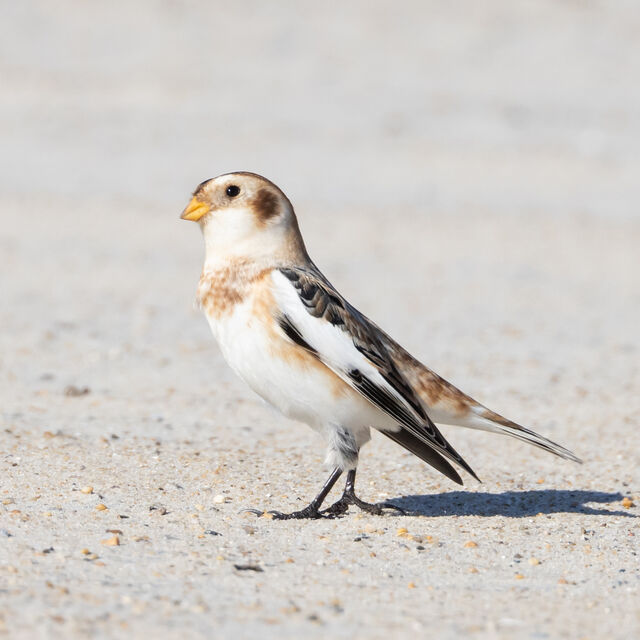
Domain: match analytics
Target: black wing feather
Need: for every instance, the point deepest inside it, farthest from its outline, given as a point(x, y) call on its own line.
point(322, 301)
point(416, 446)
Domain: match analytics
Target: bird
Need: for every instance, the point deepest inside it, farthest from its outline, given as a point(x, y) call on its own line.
point(299, 344)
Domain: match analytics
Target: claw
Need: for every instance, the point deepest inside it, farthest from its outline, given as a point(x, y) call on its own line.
point(309, 513)
point(349, 497)
point(312, 511)
point(336, 509)
point(257, 512)
point(306, 513)
point(341, 506)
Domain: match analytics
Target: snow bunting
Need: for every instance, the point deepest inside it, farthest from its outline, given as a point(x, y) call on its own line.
point(288, 333)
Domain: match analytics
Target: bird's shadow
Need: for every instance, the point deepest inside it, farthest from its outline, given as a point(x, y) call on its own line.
point(511, 504)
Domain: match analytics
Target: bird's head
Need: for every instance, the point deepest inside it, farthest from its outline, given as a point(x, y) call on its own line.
point(243, 215)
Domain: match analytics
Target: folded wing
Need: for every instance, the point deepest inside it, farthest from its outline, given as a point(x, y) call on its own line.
point(317, 318)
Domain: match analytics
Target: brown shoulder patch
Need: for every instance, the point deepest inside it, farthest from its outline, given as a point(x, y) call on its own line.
point(266, 204)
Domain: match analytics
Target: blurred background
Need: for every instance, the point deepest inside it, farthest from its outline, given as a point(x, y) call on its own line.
point(467, 173)
point(512, 107)
point(476, 162)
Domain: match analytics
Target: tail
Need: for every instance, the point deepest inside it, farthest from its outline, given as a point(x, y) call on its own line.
point(416, 446)
point(486, 420)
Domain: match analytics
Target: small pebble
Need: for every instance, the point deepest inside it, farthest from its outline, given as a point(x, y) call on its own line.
point(72, 391)
point(471, 544)
point(155, 507)
point(411, 585)
point(114, 541)
point(219, 499)
point(101, 507)
point(534, 561)
point(627, 502)
point(248, 567)
point(86, 490)
point(402, 531)
point(519, 576)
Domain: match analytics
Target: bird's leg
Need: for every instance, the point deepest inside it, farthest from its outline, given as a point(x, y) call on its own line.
point(349, 497)
point(312, 511)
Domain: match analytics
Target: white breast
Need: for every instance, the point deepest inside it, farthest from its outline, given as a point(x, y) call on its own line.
point(285, 375)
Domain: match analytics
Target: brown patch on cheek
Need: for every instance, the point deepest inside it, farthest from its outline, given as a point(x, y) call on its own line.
point(266, 205)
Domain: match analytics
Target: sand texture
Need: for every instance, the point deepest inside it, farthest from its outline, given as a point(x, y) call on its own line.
point(466, 173)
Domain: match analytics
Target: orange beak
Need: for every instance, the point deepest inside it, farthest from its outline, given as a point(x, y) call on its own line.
point(195, 210)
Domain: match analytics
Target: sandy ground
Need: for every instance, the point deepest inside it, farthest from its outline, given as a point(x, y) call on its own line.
point(467, 176)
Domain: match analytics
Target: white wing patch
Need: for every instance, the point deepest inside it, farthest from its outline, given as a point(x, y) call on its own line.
point(334, 346)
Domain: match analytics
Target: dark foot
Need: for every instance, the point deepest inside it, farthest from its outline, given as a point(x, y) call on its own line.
point(342, 506)
point(308, 513)
point(349, 497)
point(311, 512)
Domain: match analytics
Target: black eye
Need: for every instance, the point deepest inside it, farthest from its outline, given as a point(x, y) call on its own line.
point(233, 191)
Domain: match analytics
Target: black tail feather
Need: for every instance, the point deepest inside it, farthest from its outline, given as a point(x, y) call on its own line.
point(416, 446)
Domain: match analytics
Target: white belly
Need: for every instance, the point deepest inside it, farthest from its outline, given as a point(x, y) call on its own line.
point(297, 385)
